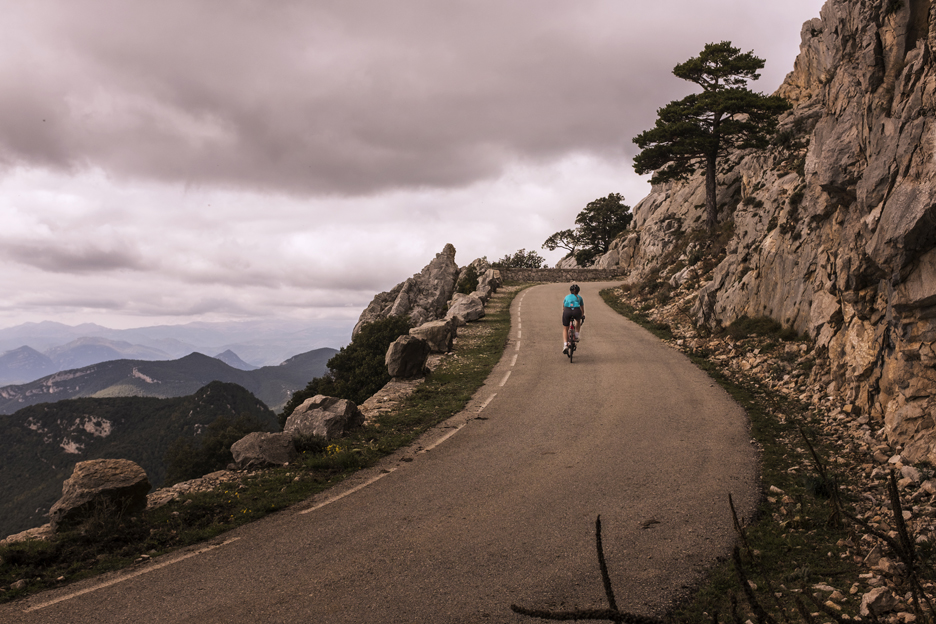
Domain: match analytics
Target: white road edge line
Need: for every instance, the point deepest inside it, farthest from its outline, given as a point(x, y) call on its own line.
point(380, 476)
point(343, 494)
point(487, 402)
point(504, 381)
point(135, 574)
point(518, 346)
point(513, 362)
point(444, 438)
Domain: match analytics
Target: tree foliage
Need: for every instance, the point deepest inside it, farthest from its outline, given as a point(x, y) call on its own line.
point(566, 239)
point(690, 134)
point(521, 259)
point(468, 282)
point(358, 370)
point(597, 226)
point(141, 429)
point(190, 458)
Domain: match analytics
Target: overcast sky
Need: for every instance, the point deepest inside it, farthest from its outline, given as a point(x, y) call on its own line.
point(165, 161)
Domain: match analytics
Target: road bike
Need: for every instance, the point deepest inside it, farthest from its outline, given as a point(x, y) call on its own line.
point(573, 338)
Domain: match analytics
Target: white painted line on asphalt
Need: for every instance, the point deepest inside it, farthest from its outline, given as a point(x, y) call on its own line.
point(443, 438)
point(140, 572)
point(513, 362)
point(504, 381)
point(380, 476)
point(518, 346)
point(343, 494)
point(485, 404)
point(519, 334)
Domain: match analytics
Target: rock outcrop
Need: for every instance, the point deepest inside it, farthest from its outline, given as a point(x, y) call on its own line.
point(207, 483)
point(480, 266)
point(466, 307)
point(831, 231)
point(100, 487)
point(488, 284)
point(259, 449)
point(407, 356)
point(421, 298)
point(324, 417)
point(439, 335)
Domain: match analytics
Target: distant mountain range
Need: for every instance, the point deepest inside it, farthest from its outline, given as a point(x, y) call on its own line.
point(33, 350)
point(128, 377)
point(41, 444)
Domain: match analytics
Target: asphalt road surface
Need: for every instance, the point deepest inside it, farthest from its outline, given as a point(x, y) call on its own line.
point(495, 507)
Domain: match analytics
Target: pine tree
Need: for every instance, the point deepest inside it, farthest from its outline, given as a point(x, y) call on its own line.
point(691, 133)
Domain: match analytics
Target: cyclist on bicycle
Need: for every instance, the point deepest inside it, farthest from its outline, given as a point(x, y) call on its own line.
point(573, 309)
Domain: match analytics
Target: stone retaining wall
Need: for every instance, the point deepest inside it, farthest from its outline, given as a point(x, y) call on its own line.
point(560, 275)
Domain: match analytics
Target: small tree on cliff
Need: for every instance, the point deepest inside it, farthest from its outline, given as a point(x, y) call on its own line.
point(597, 226)
point(691, 133)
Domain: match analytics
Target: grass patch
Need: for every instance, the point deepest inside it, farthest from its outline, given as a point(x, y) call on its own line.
point(660, 330)
point(109, 543)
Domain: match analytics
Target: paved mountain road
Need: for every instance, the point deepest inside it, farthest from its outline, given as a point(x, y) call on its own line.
point(501, 511)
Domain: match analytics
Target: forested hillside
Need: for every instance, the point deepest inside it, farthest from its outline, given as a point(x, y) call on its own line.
point(41, 444)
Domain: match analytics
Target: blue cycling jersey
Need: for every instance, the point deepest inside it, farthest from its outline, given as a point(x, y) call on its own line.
point(572, 301)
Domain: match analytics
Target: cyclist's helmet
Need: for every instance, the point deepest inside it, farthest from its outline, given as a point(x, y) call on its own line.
point(574, 289)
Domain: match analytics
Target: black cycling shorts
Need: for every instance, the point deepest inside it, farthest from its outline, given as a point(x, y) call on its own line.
point(568, 314)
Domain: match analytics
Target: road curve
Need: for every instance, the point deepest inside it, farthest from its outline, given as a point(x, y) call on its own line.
point(496, 507)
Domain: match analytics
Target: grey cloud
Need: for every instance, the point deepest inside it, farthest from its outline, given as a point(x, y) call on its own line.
point(326, 97)
point(70, 258)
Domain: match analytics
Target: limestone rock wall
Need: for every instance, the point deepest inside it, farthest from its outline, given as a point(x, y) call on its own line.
point(559, 275)
point(833, 229)
point(423, 297)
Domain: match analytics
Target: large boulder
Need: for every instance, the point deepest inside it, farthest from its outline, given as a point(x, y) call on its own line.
point(469, 307)
point(260, 449)
point(113, 487)
point(439, 334)
point(421, 298)
point(488, 284)
point(407, 356)
point(324, 417)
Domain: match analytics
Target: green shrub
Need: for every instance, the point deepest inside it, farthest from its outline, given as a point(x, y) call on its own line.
point(358, 370)
point(468, 283)
point(190, 458)
point(521, 259)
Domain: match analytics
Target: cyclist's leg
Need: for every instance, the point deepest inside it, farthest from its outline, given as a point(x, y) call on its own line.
point(566, 324)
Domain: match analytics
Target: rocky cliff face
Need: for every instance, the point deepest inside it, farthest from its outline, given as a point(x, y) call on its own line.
point(423, 297)
point(832, 230)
